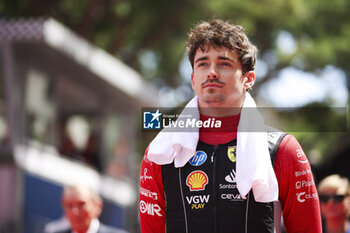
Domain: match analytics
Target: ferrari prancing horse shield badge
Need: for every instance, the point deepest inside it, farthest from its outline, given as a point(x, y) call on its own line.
point(231, 153)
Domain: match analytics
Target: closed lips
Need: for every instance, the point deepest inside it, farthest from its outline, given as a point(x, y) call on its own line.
point(212, 85)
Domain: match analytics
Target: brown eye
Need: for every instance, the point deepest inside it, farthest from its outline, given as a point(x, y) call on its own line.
point(225, 64)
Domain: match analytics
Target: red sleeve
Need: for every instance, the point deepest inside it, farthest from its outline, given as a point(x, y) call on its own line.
point(151, 198)
point(297, 190)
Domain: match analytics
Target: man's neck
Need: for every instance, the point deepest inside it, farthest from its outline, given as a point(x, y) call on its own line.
point(93, 228)
point(220, 109)
point(219, 112)
point(337, 225)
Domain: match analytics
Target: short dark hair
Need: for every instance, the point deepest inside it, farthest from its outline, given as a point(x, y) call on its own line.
point(223, 34)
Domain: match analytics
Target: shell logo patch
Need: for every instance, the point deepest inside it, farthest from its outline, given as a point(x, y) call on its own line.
point(231, 153)
point(197, 180)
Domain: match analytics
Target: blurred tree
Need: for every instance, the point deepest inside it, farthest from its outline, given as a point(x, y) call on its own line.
point(316, 125)
point(320, 30)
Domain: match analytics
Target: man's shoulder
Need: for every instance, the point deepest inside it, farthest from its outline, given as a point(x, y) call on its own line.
point(67, 230)
point(274, 138)
point(60, 225)
point(107, 229)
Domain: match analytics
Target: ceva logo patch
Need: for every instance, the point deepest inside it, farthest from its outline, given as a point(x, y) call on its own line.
point(198, 159)
point(197, 180)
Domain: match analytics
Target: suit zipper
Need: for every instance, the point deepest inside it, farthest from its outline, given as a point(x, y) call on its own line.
point(213, 161)
point(246, 214)
point(183, 201)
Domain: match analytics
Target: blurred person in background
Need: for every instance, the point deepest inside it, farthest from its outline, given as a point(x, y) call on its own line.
point(82, 207)
point(334, 192)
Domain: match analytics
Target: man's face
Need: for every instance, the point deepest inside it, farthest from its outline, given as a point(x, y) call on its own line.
point(332, 205)
point(80, 208)
point(218, 80)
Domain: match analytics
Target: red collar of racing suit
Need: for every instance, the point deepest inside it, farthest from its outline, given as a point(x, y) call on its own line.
point(226, 133)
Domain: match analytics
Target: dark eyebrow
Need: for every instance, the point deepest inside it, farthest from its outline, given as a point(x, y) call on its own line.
point(202, 59)
point(227, 59)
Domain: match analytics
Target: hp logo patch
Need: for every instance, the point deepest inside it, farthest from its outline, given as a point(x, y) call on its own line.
point(198, 159)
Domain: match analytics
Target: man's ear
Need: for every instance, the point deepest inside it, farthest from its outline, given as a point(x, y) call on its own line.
point(98, 208)
point(192, 80)
point(249, 79)
point(347, 205)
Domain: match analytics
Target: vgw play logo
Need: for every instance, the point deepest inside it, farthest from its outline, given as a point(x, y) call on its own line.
point(151, 119)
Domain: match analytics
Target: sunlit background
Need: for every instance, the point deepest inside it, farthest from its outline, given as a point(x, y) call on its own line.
point(76, 74)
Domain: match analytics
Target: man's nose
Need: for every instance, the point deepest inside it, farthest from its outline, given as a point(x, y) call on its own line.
point(213, 74)
point(75, 210)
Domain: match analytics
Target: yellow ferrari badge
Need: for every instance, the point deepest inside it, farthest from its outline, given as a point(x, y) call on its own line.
point(231, 153)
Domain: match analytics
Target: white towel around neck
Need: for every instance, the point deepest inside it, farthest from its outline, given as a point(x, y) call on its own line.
point(253, 164)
